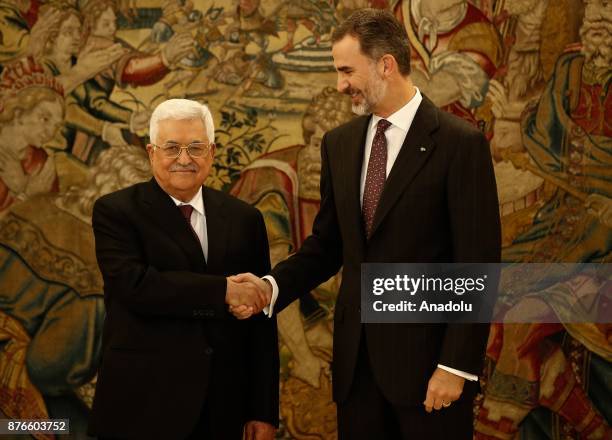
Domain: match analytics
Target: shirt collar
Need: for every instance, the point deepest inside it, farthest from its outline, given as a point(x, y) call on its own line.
point(197, 202)
point(404, 116)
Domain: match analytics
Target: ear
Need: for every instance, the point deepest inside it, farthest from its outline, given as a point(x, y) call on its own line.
point(150, 151)
point(388, 64)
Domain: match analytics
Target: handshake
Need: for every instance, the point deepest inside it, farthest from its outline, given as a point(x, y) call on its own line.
point(247, 294)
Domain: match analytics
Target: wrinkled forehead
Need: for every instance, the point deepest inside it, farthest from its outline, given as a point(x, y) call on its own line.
point(182, 130)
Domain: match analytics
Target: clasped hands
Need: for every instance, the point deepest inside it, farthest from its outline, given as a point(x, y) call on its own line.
point(247, 294)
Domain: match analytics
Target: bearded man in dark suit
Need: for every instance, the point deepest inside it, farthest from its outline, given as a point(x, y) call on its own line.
point(402, 183)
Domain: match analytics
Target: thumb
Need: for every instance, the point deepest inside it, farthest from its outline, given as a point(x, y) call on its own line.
point(242, 277)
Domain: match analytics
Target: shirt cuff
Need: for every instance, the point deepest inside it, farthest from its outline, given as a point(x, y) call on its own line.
point(268, 310)
point(460, 373)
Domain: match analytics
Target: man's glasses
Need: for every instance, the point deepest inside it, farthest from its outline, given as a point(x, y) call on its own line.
point(194, 149)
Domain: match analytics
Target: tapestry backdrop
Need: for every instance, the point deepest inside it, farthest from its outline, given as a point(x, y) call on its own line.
point(79, 81)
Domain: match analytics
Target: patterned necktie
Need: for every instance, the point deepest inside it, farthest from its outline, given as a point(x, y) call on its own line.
point(186, 210)
point(376, 175)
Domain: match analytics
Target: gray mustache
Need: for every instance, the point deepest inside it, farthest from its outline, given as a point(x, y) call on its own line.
point(178, 167)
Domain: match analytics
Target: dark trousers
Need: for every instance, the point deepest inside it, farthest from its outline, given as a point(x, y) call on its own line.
point(366, 414)
point(207, 429)
point(217, 422)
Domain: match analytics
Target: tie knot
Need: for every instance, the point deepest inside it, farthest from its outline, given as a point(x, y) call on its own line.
point(383, 124)
point(186, 210)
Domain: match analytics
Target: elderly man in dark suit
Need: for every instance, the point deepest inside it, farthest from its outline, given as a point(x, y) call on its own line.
point(402, 183)
point(175, 363)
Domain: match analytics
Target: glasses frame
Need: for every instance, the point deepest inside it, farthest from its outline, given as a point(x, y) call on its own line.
point(208, 148)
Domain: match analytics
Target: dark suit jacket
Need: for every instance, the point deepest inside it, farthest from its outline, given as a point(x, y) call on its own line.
point(169, 342)
point(438, 205)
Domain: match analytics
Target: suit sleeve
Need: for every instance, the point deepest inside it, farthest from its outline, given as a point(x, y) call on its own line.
point(264, 371)
point(476, 238)
point(141, 287)
point(320, 256)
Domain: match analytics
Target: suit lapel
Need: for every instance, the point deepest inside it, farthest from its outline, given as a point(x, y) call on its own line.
point(415, 150)
point(353, 152)
point(169, 219)
point(218, 228)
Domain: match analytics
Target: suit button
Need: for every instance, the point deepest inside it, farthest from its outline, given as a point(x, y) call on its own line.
point(208, 351)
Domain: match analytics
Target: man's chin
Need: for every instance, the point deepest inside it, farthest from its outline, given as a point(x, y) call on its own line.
point(360, 109)
point(183, 189)
point(183, 180)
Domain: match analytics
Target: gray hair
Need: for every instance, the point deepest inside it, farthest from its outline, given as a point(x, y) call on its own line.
point(177, 109)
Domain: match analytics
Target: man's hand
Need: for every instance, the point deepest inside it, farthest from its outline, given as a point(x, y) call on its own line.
point(255, 430)
point(443, 389)
point(246, 296)
point(243, 311)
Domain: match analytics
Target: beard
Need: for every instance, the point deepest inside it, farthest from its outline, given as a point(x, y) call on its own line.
point(372, 93)
point(596, 37)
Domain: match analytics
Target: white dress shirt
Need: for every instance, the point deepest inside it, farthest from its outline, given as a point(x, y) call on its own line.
point(400, 121)
point(198, 219)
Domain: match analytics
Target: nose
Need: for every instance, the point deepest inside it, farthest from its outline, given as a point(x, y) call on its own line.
point(184, 158)
point(342, 84)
